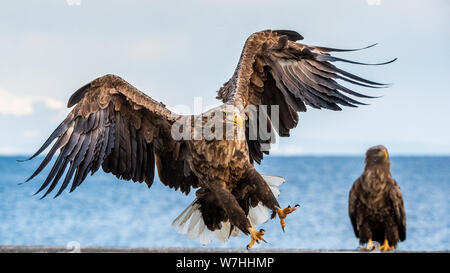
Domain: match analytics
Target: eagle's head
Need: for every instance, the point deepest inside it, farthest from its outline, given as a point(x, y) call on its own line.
point(377, 155)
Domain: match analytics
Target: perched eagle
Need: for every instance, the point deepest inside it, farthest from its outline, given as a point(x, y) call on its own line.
point(376, 205)
point(125, 132)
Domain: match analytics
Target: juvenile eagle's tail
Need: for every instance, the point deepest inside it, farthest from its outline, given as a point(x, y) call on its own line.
point(191, 222)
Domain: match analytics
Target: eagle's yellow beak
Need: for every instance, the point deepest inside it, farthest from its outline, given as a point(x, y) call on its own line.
point(237, 120)
point(384, 154)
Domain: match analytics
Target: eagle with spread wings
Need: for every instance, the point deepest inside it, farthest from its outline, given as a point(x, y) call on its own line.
point(125, 132)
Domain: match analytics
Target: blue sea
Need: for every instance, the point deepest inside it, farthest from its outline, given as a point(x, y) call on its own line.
point(105, 211)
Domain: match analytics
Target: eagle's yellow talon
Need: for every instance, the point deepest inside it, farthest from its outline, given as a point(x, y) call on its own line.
point(385, 246)
point(283, 223)
point(282, 213)
point(256, 237)
point(370, 246)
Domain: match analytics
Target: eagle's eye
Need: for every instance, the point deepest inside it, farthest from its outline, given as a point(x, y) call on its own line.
point(381, 153)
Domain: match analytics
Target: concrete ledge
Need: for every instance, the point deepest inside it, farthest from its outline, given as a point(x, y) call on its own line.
point(61, 249)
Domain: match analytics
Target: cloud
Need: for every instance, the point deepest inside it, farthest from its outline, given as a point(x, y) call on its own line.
point(51, 103)
point(11, 104)
point(373, 2)
point(31, 49)
point(73, 2)
point(14, 105)
point(148, 50)
point(30, 133)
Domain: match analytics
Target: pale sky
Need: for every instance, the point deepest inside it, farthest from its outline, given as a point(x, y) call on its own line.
point(175, 51)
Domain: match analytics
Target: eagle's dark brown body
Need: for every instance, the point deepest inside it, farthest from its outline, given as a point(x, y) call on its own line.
point(376, 206)
point(115, 126)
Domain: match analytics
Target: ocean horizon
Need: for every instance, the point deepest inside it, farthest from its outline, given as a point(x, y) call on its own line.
point(106, 211)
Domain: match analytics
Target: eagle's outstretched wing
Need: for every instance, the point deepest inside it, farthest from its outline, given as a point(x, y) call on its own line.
point(276, 70)
point(117, 127)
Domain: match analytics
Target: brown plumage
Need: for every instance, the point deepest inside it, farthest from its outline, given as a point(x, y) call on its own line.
point(375, 203)
point(115, 126)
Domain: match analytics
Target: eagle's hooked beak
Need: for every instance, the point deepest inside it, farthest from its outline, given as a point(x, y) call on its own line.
point(384, 154)
point(237, 120)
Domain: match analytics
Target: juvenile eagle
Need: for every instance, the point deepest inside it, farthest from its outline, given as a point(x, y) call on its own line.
point(376, 205)
point(115, 126)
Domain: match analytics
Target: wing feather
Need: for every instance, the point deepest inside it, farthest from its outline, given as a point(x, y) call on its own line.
point(396, 198)
point(330, 49)
point(113, 125)
point(352, 206)
point(56, 133)
point(302, 75)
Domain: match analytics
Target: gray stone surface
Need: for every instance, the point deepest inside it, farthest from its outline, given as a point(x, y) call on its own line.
point(61, 249)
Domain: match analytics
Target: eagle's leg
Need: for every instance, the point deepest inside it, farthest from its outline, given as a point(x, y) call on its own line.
point(365, 236)
point(385, 246)
point(370, 246)
point(282, 213)
point(266, 196)
point(235, 213)
point(256, 236)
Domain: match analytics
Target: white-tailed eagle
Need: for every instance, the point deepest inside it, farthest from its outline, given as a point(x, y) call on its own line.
point(125, 132)
point(375, 204)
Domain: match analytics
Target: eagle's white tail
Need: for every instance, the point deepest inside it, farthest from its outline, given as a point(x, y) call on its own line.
point(190, 221)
